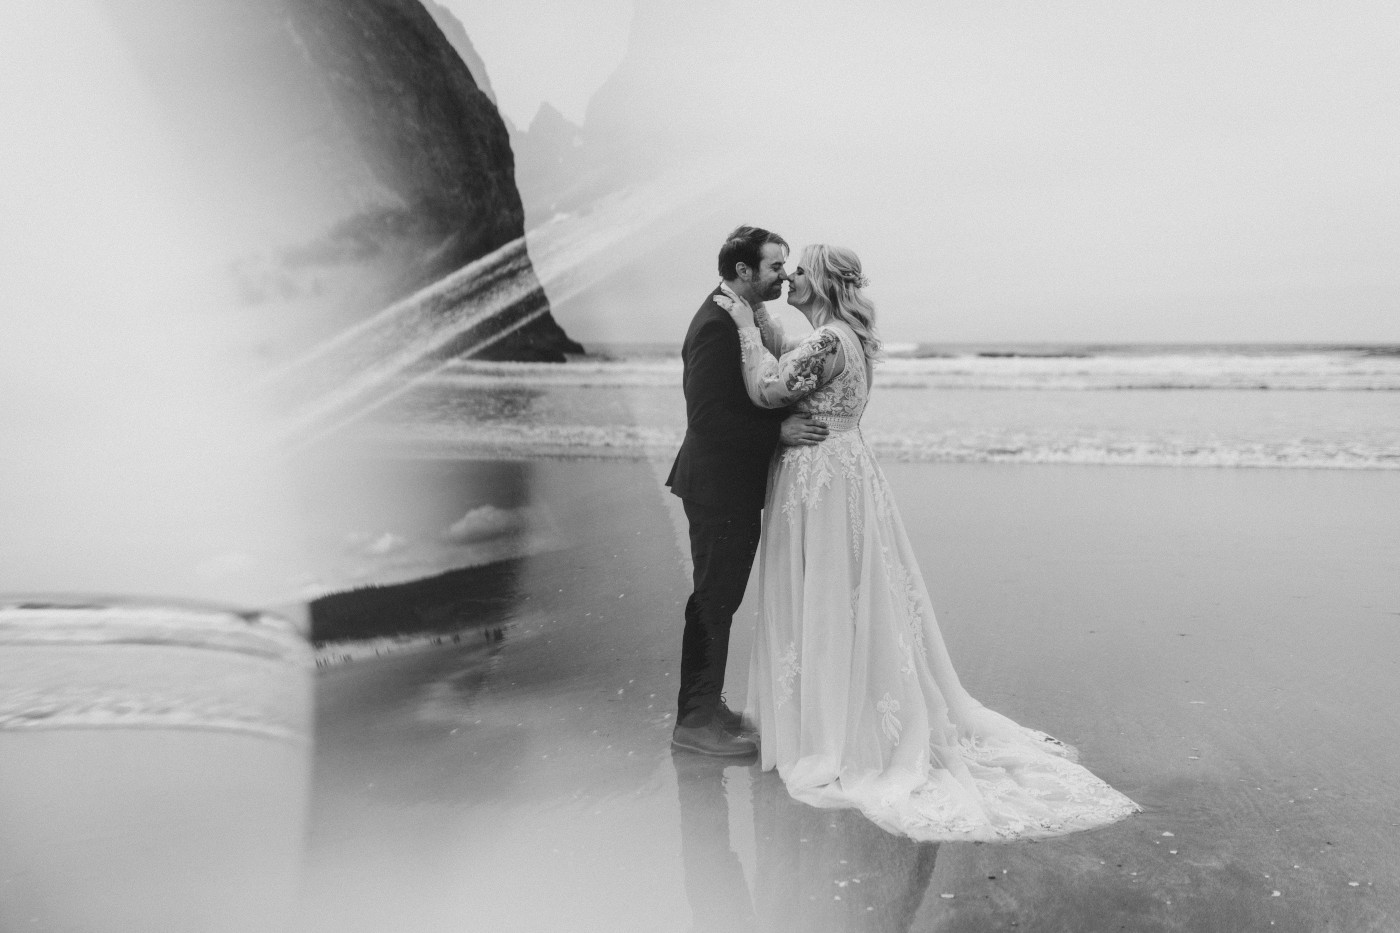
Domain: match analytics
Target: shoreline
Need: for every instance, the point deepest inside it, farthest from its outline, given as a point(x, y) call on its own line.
point(484, 449)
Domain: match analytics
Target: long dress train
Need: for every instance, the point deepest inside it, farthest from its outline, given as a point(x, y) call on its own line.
point(854, 695)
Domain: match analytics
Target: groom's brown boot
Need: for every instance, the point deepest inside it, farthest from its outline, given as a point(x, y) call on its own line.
point(712, 739)
point(732, 722)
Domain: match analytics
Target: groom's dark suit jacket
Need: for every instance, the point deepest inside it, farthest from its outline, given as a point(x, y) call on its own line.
point(723, 461)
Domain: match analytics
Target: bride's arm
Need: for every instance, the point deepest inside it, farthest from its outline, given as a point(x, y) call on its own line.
point(770, 327)
point(776, 382)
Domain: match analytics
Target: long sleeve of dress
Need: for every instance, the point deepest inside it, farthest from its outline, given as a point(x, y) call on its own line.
point(713, 414)
point(770, 328)
point(776, 382)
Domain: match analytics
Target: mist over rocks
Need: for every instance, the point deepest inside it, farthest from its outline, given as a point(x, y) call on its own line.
point(643, 121)
point(347, 157)
point(690, 135)
point(550, 166)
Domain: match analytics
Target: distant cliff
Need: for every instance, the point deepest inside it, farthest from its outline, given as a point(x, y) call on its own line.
point(550, 166)
point(354, 156)
point(631, 132)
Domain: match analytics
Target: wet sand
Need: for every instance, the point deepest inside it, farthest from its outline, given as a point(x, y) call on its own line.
point(1221, 645)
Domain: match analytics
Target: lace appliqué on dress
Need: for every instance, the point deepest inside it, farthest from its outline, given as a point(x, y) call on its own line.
point(902, 585)
point(906, 653)
point(815, 465)
point(889, 722)
point(1047, 779)
point(775, 383)
point(842, 396)
point(788, 669)
point(809, 364)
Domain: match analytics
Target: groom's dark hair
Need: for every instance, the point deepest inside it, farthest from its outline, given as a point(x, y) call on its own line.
point(745, 244)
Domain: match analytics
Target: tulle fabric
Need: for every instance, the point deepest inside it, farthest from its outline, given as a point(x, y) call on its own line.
point(855, 698)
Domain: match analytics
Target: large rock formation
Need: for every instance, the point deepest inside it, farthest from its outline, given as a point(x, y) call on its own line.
point(456, 34)
point(351, 157)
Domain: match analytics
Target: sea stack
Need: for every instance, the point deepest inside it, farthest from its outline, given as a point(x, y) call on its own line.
point(350, 160)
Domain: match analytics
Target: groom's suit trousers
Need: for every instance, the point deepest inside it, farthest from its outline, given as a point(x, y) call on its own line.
point(723, 542)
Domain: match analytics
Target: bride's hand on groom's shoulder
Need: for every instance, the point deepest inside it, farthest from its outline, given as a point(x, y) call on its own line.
point(738, 309)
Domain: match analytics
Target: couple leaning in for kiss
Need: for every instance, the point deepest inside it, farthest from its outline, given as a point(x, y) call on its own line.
point(851, 694)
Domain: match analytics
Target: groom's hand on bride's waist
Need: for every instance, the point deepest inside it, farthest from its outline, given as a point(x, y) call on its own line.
point(799, 430)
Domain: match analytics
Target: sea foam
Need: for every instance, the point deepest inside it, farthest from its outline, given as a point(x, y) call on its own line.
point(1307, 407)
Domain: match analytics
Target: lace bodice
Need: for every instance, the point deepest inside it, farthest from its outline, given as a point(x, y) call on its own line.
point(841, 401)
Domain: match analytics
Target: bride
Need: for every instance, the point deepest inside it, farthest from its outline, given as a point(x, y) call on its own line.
point(850, 686)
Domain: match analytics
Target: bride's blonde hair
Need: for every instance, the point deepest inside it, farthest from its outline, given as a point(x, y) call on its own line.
point(837, 287)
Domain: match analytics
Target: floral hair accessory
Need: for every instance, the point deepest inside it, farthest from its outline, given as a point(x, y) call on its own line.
point(858, 279)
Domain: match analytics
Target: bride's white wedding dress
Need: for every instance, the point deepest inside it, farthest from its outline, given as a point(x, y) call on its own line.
point(850, 685)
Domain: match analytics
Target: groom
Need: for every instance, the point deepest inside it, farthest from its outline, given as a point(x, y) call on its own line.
point(721, 474)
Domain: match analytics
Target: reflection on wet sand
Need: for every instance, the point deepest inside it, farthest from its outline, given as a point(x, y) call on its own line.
point(813, 870)
point(526, 784)
point(719, 896)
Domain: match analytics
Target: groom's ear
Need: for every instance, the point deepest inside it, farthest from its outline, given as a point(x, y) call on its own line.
point(742, 270)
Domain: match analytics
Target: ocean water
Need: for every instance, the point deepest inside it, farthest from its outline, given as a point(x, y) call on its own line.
point(1305, 406)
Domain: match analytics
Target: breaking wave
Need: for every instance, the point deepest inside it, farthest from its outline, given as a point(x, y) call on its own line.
point(1349, 369)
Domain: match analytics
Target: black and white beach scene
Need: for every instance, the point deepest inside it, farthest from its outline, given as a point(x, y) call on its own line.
point(640, 465)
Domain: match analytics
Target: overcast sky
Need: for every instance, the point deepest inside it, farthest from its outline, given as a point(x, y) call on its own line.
point(1191, 170)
